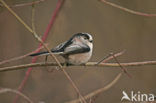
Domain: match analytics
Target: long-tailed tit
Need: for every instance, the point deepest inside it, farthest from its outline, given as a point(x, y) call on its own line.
point(77, 50)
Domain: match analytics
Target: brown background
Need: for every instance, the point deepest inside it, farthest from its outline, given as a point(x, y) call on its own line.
point(113, 30)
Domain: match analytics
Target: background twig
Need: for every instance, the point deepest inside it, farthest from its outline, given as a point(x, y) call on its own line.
point(90, 95)
point(58, 6)
point(20, 57)
point(26, 4)
point(42, 43)
point(5, 90)
point(124, 69)
point(128, 10)
point(109, 57)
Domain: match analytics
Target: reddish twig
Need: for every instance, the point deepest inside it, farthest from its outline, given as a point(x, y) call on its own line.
point(26, 4)
point(124, 69)
point(41, 41)
point(109, 57)
point(128, 10)
point(54, 14)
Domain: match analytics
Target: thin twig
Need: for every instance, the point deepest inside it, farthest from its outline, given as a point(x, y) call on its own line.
point(26, 4)
point(89, 64)
point(109, 57)
point(124, 69)
point(58, 6)
point(106, 57)
point(21, 86)
point(128, 10)
point(94, 93)
point(33, 18)
point(5, 90)
point(40, 40)
point(20, 57)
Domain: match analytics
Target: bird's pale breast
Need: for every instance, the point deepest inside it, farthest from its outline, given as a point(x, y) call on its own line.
point(80, 58)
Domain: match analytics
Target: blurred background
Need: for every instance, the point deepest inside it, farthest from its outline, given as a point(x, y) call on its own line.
point(113, 30)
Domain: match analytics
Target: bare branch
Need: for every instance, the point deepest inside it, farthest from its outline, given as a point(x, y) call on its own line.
point(109, 57)
point(94, 93)
point(128, 10)
point(40, 40)
point(5, 90)
point(23, 82)
point(45, 35)
point(20, 57)
point(89, 64)
point(33, 18)
point(26, 4)
point(124, 70)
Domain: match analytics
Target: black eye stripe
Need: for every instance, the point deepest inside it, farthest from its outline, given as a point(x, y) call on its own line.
point(86, 37)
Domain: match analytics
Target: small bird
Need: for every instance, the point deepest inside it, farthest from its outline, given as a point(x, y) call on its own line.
point(77, 50)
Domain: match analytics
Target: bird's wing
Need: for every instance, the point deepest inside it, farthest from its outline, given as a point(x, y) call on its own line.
point(70, 47)
point(76, 48)
point(61, 47)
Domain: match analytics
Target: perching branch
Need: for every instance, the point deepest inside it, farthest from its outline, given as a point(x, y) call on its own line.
point(5, 90)
point(89, 64)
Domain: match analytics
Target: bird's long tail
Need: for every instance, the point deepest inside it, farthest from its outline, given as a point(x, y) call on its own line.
point(40, 53)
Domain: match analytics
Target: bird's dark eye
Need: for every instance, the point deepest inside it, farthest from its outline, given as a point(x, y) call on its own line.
point(85, 38)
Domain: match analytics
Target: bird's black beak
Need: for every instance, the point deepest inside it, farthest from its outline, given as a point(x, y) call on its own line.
point(90, 41)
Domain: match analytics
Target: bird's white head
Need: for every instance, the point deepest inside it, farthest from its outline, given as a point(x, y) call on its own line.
point(85, 38)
